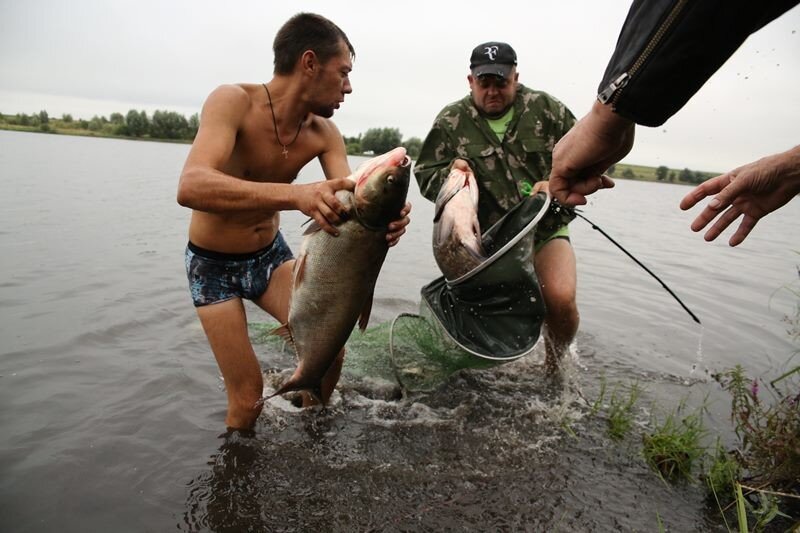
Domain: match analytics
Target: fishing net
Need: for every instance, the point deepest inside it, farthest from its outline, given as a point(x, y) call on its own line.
point(491, 315)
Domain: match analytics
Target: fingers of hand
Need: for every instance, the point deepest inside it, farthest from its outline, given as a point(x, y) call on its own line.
point(725, 220)
point(587, 186)
point(746, 226)
point(399, 224)
point(559, 188)
point(394, 236)
point(539, 186)
point(325, 224)
point(707, 188)
point(563, 191)
point(343, 183)
point(607, 182)
point(706, 215)
point(460, 164)
point(573, 198)
point(330, 210)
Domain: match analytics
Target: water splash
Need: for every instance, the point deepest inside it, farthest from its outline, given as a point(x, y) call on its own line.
point(698, 362)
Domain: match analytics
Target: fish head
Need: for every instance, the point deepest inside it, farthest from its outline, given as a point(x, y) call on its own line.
point(382, 187)
point(457, 182)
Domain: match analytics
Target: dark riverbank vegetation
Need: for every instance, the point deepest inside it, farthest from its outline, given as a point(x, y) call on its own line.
point(170, 126)
point(753, 482)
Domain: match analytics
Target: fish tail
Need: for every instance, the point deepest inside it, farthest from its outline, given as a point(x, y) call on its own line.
point(295, 385)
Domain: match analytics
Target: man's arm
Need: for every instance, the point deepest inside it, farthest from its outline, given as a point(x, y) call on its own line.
point(580, 158)
point(666, 51)
point(333, 158)
point(204, 186)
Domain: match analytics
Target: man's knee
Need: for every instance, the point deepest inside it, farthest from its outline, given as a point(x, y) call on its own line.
point(560, 298)
point(563, 318)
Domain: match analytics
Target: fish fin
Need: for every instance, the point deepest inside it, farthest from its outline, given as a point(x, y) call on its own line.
point(293, 385)
point(363, 318)
point(299, 270)
point(477, 254)
point(285, 333)
point(313, 227)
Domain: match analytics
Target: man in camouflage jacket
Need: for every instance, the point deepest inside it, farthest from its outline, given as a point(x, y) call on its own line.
point(505, 132)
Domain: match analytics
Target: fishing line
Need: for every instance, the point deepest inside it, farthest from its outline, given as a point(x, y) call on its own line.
point(607, 236)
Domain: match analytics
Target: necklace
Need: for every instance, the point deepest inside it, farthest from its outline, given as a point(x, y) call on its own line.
point(285, 151)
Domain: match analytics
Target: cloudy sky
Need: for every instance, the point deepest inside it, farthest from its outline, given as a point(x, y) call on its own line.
point(88, 57)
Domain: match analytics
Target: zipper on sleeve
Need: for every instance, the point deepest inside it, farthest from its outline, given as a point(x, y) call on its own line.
point(612, 91)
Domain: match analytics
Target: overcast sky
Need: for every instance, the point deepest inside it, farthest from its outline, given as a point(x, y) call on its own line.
point(88, 57)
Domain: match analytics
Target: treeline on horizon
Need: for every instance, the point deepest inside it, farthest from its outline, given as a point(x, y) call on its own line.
point(162, 125)
point(172, 126)
point(660, 173)
point(169, 125)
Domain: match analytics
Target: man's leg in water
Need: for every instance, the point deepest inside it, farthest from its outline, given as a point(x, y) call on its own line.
point(275, 301)
point(555, 268)
point(225, 324)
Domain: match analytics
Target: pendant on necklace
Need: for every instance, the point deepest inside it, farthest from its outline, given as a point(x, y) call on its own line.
point(285, 152)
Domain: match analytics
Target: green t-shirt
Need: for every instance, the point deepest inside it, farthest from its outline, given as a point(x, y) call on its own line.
point(500, 125)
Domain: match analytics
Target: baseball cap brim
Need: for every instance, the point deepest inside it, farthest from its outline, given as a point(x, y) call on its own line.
point(495, 69)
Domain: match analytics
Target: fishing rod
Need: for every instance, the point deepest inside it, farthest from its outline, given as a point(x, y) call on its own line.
point(607, 236)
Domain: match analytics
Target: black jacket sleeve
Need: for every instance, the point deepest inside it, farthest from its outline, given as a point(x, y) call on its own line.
point(667, 49)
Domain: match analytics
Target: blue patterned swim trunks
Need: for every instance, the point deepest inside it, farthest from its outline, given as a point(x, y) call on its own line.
point(216, 277)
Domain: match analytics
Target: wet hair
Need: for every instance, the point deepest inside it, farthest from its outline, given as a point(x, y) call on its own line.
point(307, 31)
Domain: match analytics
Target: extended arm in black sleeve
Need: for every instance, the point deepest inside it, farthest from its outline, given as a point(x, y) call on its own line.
point(667, 49)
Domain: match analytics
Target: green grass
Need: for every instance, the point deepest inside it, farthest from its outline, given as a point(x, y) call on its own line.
point(673, 447)
point(620, 411)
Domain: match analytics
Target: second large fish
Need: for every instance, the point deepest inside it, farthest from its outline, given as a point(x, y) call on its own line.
point(334, 277)
point(456, 230)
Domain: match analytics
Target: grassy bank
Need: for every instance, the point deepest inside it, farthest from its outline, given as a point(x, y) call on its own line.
point(86, 133)
point(662, 173)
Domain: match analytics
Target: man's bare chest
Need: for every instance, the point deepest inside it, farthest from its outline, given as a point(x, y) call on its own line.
point(256, 158)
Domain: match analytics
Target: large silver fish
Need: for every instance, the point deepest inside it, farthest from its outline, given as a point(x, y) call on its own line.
point(456, 230)
point(334, 277)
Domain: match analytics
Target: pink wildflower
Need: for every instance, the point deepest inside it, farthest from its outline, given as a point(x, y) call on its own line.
point(754, 389)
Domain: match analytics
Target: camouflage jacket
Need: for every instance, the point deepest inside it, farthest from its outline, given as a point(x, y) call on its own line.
point(504, 170)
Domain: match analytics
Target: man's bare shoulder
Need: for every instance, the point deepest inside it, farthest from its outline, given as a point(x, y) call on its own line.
point(230, 97)
point(324, 127)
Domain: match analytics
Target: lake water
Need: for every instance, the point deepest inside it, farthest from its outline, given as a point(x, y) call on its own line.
point(112, 408)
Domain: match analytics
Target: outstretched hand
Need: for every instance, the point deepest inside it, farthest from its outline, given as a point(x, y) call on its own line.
point(597, 141)
point(318, 201)
point(750, 191)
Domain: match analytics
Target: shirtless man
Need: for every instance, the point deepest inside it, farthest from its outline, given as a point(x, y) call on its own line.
point(252, 142)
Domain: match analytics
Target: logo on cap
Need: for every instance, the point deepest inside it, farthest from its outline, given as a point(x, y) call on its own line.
point(492, 58)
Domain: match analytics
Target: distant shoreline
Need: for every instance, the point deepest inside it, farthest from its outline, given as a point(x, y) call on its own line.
point(625, 171)
point(88, 133)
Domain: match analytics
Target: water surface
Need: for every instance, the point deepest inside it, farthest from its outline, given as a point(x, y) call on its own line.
point(113, 408)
